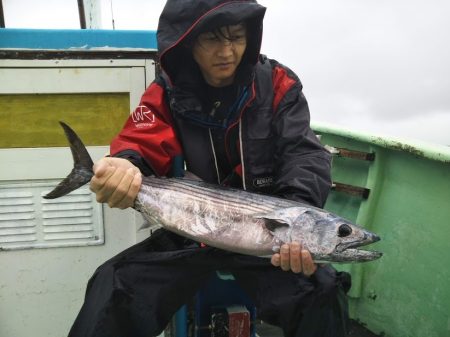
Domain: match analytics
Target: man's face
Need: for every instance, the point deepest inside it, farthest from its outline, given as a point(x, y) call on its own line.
point(219, 53)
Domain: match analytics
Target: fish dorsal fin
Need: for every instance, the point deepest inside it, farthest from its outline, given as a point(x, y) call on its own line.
point(281, 217)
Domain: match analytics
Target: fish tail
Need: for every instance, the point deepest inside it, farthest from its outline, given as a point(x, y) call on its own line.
point(82, 169)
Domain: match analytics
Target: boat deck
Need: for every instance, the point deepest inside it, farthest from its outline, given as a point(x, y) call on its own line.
point(267, 330)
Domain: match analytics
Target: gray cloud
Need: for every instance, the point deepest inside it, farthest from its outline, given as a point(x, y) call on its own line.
point(373, 66)
point(378, 66)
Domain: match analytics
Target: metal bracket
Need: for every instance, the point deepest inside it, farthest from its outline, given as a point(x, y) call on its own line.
point(351, 190)
point(342, 152)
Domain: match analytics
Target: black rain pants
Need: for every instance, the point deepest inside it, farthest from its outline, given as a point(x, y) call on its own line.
point(136, 293)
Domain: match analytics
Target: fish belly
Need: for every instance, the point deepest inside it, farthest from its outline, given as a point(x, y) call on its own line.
point(223, 225)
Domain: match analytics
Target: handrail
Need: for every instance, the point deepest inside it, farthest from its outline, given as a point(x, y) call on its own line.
point(418, 148)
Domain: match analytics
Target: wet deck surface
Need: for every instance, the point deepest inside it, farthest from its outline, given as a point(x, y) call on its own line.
point(356, 330)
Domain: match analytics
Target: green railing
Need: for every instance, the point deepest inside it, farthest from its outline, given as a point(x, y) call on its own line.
point(407, 292)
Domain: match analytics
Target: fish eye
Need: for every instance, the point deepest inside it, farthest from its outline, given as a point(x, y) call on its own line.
point(344, 230)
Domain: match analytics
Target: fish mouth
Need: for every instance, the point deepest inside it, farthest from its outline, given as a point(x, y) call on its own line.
point(347, 251)
point(366, 240)
point(356, 255)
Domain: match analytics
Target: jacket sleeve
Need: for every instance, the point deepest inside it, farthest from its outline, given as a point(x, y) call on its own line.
point(148, 138)
point(302, 164)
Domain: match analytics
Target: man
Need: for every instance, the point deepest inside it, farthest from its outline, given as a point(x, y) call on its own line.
point(237, 119)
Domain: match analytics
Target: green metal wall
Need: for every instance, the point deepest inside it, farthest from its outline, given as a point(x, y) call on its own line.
point(407, 292)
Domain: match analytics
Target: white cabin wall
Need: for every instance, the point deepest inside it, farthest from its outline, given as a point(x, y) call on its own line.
point(42, 289)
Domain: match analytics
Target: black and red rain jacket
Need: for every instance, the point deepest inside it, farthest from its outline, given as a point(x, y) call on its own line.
point(277, 151)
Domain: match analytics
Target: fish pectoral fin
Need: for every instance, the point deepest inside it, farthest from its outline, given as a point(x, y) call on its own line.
point(272, 225)
point(281, 217)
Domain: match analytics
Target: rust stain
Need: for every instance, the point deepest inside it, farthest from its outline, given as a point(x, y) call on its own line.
point(402, 147)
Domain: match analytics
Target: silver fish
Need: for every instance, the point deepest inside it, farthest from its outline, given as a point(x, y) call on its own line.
point(232, 219)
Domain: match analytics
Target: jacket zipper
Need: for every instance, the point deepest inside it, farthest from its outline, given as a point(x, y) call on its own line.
point(244, 186)
point(214, 155)
point(239, 121)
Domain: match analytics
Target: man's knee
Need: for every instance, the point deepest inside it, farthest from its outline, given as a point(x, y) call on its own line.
point(330, 282)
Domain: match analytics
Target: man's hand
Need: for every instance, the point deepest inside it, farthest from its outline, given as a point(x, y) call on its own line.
point(116, 181)
point(293, 257)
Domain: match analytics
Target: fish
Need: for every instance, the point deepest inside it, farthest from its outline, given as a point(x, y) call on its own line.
point(232, 219)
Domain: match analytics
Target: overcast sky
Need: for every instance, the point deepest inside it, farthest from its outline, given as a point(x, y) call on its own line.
point(381, 66)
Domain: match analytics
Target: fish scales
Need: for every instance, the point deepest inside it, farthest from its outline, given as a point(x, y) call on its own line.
point(214, 219)
point(221, 194)
point(231, 219)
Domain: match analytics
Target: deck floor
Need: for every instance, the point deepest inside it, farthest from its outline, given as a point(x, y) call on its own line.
point(356, 330)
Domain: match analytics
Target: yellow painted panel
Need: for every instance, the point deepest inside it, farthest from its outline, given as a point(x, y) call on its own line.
point(31, 120)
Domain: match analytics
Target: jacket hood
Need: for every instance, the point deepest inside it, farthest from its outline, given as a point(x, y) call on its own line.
point(181, 21)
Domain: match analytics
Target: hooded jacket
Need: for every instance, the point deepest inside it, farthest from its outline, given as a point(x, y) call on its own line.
point(268, 140)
